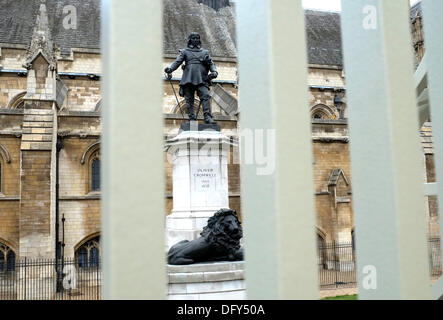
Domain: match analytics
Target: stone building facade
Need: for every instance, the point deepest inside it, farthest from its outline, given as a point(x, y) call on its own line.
point(418, 38)
point(50, 103)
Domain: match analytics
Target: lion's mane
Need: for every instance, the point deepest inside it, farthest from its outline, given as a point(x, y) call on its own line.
point(215, 235)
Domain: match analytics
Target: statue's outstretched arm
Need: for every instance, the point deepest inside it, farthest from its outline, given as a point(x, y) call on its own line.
point(177, 63)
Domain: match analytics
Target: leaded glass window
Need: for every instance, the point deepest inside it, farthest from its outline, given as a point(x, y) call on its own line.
point(95, 175)
point(7, 258)
point(88, 255)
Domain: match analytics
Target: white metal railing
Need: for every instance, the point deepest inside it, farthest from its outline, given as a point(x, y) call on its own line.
point(433, 24)
point(389, 203)
point(278, 208)
point(386, 162)
point(133, 209)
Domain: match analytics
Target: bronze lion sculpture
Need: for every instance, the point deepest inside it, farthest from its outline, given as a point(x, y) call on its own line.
point(219, 241)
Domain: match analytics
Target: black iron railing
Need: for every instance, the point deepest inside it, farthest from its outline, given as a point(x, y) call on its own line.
point(337, 267)
point(337, 264)
point(41, 279)
point(77, 279)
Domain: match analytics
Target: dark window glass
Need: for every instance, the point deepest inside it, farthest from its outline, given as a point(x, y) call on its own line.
point(93, 258)
point(2, 261)
point(10, 261)
point(88, 254)
point(83, 258)
point(95, 175)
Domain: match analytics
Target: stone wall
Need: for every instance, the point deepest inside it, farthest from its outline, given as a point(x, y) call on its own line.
point(13, 58)
point(83, 94)
point(9, 223)
point(10, 192)
point(418, 37)
point(35, 202)
point(10, 172)
point(83, 221)
point(10, 86)
point(81, 62)
point(80, 206)
point(331, 151)
point(326, 77)
point(74, 176)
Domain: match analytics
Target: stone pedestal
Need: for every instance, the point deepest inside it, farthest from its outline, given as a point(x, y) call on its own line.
point(200, 181)
point(208, 281)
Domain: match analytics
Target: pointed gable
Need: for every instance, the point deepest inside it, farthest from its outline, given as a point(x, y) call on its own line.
point(41, 42)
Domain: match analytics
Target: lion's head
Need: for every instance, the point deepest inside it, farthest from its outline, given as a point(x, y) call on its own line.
point(224, 229)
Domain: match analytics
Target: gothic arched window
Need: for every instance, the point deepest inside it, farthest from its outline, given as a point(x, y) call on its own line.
point(91, 160)
point(319, 116)
point(4, 159)
point(7, 258)
point(88, 255)
point(94, 170)
point(17, 101)
point(322, 112)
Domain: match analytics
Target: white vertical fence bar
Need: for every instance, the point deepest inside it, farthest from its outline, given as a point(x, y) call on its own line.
point(406, 150)
point(433, 24)
point(278, 206)
point(133, 193)
point(389, 205)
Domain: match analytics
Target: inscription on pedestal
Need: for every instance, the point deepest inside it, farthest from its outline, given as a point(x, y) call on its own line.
point(205, 178)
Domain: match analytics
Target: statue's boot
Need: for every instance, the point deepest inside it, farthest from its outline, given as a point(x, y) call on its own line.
point(208, 119)
point(207, 111)
point(191, 114)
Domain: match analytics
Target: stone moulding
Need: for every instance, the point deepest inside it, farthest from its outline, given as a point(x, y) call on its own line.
point(88, 150)
point(16, 101)
point(331, 139)
point(4, 152)
point(6, 198)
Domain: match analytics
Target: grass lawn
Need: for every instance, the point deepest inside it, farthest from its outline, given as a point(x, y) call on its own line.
point(352, 297)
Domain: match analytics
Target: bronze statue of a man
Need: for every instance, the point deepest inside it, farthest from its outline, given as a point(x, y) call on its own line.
point(198, 63)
